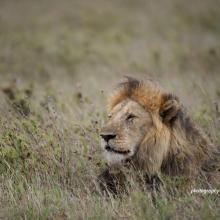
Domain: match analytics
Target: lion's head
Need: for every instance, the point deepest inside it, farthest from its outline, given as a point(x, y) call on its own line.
point(140, 114)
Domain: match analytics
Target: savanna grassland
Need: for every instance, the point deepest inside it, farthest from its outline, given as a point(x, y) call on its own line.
point(58, 61)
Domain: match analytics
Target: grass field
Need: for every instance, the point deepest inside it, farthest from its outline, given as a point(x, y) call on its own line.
point(58, 62)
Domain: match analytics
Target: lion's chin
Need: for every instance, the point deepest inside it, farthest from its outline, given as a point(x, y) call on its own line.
point(113, 157)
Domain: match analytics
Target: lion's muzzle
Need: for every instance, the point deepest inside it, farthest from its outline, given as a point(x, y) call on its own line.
point(108, 147)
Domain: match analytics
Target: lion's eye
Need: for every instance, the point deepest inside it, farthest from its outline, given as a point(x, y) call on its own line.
point(130, 117)
point(109, 116)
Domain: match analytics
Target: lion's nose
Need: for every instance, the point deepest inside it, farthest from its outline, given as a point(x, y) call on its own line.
point(107, 136)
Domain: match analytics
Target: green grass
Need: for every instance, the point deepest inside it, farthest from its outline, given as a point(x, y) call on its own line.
point(58, 61)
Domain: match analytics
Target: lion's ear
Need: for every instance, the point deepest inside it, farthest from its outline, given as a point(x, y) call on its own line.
point(170, 108)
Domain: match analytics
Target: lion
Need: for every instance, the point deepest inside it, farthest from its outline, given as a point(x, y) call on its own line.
point(150, 129)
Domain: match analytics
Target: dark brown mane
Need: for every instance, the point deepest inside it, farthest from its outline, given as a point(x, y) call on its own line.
point(147, 93)
point(130, 84)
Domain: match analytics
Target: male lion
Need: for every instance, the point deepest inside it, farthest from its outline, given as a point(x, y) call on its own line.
point(151, 129)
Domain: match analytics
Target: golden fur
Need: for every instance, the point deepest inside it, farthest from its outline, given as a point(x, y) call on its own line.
point(172, 142)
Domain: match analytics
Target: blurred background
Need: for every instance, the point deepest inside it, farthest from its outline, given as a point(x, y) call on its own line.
point(89, 45)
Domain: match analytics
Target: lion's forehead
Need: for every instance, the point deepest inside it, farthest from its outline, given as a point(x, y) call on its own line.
point(119, 107)
point(126, 107)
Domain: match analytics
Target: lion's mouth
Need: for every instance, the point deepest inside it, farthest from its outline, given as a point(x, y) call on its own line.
point(110, 149)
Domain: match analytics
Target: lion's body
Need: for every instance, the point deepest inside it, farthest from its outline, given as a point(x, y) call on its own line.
point(172, 143)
